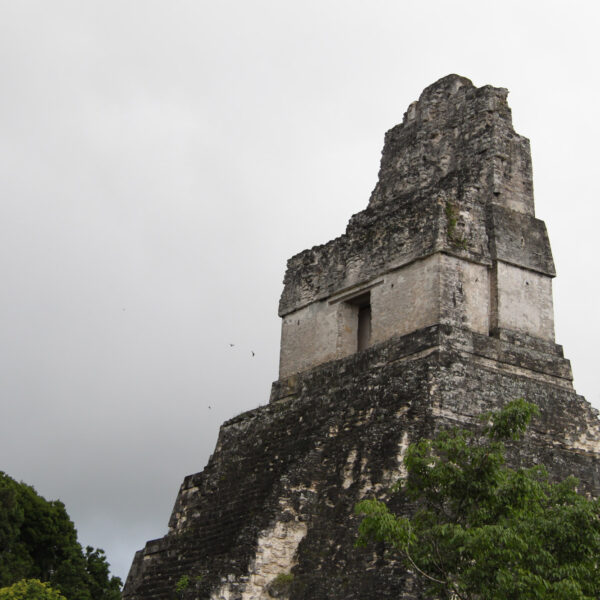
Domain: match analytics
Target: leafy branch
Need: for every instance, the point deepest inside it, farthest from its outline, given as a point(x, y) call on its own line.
point(482, 530)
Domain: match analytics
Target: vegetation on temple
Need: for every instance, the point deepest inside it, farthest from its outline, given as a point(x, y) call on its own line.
point(38, 541)
point(482, 530)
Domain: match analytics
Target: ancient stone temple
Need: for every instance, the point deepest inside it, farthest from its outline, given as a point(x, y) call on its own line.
point(435, 305)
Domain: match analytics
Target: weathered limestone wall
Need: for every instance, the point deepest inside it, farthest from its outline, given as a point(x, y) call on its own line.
point(457, 273)
point(472, 134)
point(310, 335)
point(450, 225)
point(519, 239)
point(401, 301)
point(408, 299)
point(277, 495)
point(524, 301)
point(275, 555)
point(436, 289)
point(454, 177)
point(464, 294)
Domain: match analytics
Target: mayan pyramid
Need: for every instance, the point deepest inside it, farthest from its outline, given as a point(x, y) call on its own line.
point(434, 306)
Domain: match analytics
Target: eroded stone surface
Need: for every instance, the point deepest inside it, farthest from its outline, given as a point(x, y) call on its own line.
point(337, 434)
point(455, 181)
point(456, 274)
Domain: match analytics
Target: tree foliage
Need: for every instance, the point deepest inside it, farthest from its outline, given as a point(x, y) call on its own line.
point(484, 531)
point(39, 541)
point(30, 589)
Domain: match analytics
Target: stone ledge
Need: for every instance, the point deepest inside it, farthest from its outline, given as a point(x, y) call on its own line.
point(508, 348)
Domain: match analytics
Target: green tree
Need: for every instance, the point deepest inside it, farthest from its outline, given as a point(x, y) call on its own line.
point(102, 586)
point(481, 530)
point(30, 589)
point(39, 541)
point(14, 563)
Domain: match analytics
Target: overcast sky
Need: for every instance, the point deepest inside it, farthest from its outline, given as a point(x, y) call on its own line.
point(161, 160)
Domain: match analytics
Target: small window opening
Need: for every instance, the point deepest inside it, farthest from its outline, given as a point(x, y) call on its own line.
point(364, 327)
point(363, 334)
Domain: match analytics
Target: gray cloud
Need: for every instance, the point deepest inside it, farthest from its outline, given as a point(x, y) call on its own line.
point(159, 162)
